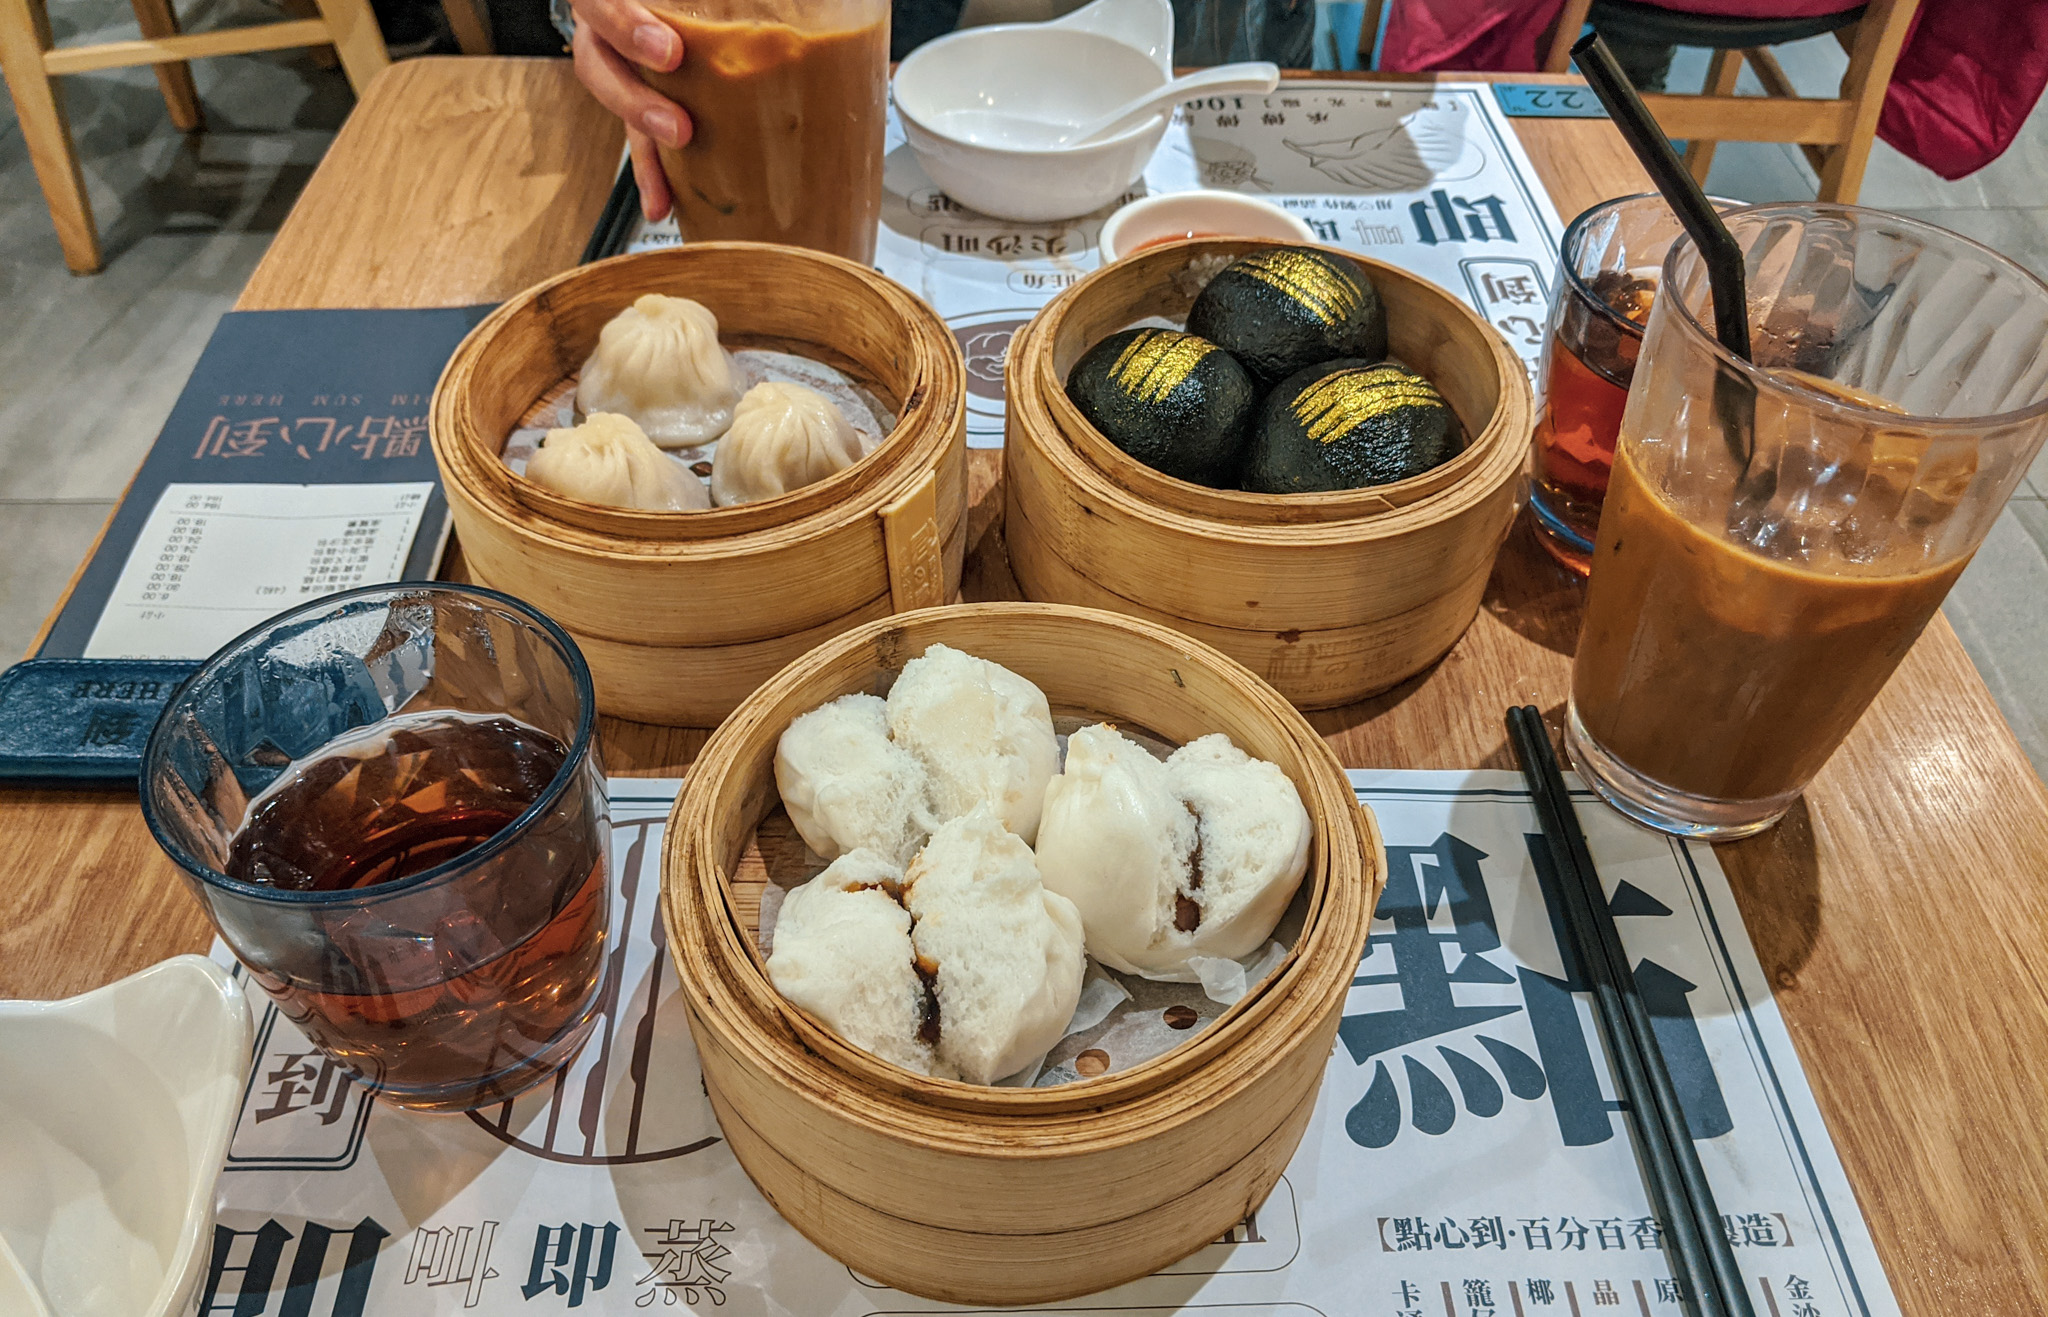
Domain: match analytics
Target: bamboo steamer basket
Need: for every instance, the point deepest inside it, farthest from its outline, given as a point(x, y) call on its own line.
point(986, 1195)
point(1331, 597)
point(681, 615)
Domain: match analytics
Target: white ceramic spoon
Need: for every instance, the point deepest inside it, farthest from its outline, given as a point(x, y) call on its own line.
point(997, 129)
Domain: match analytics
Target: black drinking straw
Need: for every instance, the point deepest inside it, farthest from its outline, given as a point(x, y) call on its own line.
point(1668, 172)
point(1710, 1281)
point(615, 223)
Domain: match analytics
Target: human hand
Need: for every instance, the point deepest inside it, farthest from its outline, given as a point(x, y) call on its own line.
point(611, 37)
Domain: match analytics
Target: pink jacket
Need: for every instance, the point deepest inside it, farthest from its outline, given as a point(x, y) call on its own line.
point(1961, 90)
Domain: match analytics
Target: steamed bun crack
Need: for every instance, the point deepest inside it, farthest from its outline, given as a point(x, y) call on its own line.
point(1176, 861)
point(960, 966)
point(843, 953)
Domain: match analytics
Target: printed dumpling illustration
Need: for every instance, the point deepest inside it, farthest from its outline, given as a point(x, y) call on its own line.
point(1406, 157)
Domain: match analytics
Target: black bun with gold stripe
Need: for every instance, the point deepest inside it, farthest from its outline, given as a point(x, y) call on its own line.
point(1173, 401)
point(1285, 309)
point(1347, 425)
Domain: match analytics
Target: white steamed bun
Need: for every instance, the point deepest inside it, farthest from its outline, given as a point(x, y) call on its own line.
point(846, 785)
point(1195, 857)
point(983, 733)
point(1007, 952)
point(659, 362)
point(1116, 841)
point(843, 952)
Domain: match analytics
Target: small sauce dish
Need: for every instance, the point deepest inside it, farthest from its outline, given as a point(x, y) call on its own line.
point(1172, 216)
point(116, 1108)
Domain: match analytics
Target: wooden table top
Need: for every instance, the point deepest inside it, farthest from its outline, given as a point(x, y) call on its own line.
point(1901, 908)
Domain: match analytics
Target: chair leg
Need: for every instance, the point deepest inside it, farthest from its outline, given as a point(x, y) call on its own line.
point(1570, 20)
point(48, 133)
point(181, 97)
point(1721, 75)
point(1369, 33)
point(1841, 174)
point(323, 56)
point(471, 25)
point(1879, 35)
point(356, 40)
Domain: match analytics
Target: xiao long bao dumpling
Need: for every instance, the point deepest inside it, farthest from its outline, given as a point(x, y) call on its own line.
point(659, 362)
point(783, 437)
point(1169, 862)
point(608, 460)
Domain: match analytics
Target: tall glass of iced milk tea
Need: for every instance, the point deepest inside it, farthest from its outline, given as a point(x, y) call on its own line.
point(1776, 533)
point(789, 101)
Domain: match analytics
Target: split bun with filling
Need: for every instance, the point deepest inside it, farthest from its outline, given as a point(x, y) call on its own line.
point(1167, 862)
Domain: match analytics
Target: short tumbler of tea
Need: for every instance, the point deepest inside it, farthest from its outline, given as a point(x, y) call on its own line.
point(1609, 265)
point(1777, 533)
point(392, 805)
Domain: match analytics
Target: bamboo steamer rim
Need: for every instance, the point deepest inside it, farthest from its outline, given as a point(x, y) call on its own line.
point(899, 1112)
point(730, 993)
point(1031, 375)
point(1033, 427)
point(928, 411)
point(772, 715)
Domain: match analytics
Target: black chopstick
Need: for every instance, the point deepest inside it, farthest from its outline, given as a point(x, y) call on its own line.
point(615, 223)
point(1711, 1283)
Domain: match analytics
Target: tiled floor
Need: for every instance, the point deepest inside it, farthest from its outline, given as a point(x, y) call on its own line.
point(89, 367)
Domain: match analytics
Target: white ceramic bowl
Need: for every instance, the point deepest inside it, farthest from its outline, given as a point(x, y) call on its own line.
point(1067, 71)
point(115, 1112)
point(1198, 215)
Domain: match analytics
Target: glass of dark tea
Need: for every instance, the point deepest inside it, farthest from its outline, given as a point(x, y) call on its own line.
point(1778, 530)
point(392, 805)
point(1607, 280)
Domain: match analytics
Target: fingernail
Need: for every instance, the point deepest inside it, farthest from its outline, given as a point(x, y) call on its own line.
point(664, 125)
point(656, 43)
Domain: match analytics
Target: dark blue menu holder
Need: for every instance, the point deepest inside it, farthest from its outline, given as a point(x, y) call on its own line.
point(327, 397)
point(82, 720)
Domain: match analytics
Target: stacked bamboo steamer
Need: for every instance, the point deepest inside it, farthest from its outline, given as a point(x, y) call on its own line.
point(978, 1194)
point(681, 615)
point(1330, 597)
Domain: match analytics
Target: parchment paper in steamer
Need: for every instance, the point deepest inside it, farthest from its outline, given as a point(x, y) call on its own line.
point(1121, 1019)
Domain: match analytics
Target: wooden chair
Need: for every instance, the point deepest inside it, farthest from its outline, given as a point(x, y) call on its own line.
point(31, 61)
point(1835, 133)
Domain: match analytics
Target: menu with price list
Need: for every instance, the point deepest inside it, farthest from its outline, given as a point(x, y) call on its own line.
point(294, 464)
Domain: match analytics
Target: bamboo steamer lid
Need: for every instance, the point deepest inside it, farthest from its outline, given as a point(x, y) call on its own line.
point(682, 614)
point(1332, 596)
point(1000, 1195)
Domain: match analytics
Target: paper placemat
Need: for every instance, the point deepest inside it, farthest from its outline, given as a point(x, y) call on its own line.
point(1429, 177)
point(1467, 1156)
